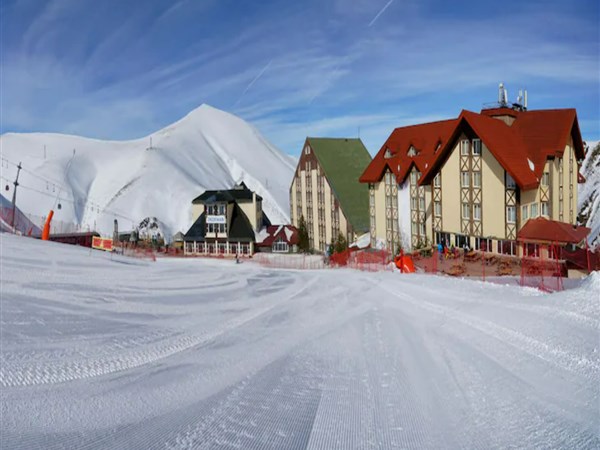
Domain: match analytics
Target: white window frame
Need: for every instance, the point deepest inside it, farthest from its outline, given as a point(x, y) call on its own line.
point(477, 212)
point(466, 211)
point(534, 210)
point(477, 179)
point(511, 214)
point(465, 177)
point(544, 209)
point(510, 182)
point(280, 246)
point(437, 208)
point(476, 147)
point(421, 204)
point(524, 212)
point(413, 178)
point(464, 147)
point(437, 180)
point(546, 179)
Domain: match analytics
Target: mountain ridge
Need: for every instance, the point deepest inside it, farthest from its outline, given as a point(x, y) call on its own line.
point(157, 175)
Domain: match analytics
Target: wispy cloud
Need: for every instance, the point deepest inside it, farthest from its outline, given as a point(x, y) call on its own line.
point(332, 65)
point(254, 80)
point(380, 13)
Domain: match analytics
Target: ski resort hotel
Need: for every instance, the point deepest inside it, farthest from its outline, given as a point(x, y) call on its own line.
point(477, 180)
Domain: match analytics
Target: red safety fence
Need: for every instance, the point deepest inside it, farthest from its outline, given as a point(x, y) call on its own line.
point(135, 252)
point(368, 260)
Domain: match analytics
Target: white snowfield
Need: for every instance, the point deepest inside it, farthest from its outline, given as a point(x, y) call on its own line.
point(129, 180)
point(182, 353)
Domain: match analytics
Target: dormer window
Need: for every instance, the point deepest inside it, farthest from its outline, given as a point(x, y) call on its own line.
point(387, 154)
point(412, 151)
point(307, 150)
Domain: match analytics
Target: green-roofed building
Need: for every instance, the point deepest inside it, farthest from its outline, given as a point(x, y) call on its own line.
point(326, 191)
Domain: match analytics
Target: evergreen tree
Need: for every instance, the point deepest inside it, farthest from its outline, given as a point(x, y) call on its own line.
point(340, 244)
point(303, 242)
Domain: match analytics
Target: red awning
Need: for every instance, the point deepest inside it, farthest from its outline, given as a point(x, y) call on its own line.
point(545, 230)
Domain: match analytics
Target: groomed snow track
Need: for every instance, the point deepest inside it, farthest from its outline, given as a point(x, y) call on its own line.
point(210, 354)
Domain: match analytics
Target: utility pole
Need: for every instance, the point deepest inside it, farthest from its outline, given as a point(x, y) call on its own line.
point(14, 199)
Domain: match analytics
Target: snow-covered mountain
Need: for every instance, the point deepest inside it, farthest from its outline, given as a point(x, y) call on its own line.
point(156, 176)
point(589, 193)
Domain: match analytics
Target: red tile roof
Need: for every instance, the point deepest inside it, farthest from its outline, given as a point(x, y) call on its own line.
point(276, 231)
point(542, 229)
point(533, 137)
point(424, 137)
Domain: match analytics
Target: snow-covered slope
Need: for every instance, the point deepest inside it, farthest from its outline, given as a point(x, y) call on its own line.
point(589, 193)
point(128, 354)
point(131, 180)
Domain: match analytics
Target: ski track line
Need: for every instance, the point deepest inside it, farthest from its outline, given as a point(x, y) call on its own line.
point(28, 375)
point(527, 344)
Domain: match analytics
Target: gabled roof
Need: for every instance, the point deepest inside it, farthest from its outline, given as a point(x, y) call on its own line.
point(239, 192)
point(343, 160)
point(239, 227)
point(288, 233)
point(544, 230)
point(529, 141)
point(426, 138)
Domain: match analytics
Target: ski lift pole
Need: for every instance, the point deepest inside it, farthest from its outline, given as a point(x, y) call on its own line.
point(14, 198)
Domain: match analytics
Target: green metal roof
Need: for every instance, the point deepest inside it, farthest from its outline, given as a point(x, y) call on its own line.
point(343, 161)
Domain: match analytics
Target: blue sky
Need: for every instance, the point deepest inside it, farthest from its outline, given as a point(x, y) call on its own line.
point(123, 69)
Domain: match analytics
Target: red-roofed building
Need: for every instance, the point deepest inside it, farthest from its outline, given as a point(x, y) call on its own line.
point(278, 239)
point(475, 180)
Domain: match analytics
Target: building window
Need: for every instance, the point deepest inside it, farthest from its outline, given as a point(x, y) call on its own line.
point(412, 151)
point(307, 150)
point(534, 210)
point(413, 178)
point(532, 250)
point(483, 244)
point(414, 227)
point(545, 179)
point(422, 228)
point(524, 212)
point(507, 248)
point(437, 181)
point(461, 241)
point(438, 208)
point(477, 147)
point(413, 202)
point(510, 182)
point(421, 203)
point(477, 211)
point(466, 213)
point(477, 179)
point(511, 214)
point(387, 154)
point(464, 179)
point(464, 148)
point(280, 246)
point(545, 209)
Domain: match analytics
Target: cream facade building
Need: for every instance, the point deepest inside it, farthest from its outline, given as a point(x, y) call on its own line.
point(326, 192)
point(475, 180)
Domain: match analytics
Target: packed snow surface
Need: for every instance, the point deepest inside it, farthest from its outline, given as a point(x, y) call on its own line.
point(99, 351)
point(156, 176)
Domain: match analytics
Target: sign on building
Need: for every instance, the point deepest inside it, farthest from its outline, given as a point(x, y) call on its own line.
point(216, 219)
point(102, 244)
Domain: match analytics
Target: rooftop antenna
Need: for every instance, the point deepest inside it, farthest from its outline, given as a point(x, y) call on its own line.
point(525, 100)
point(501, 93)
